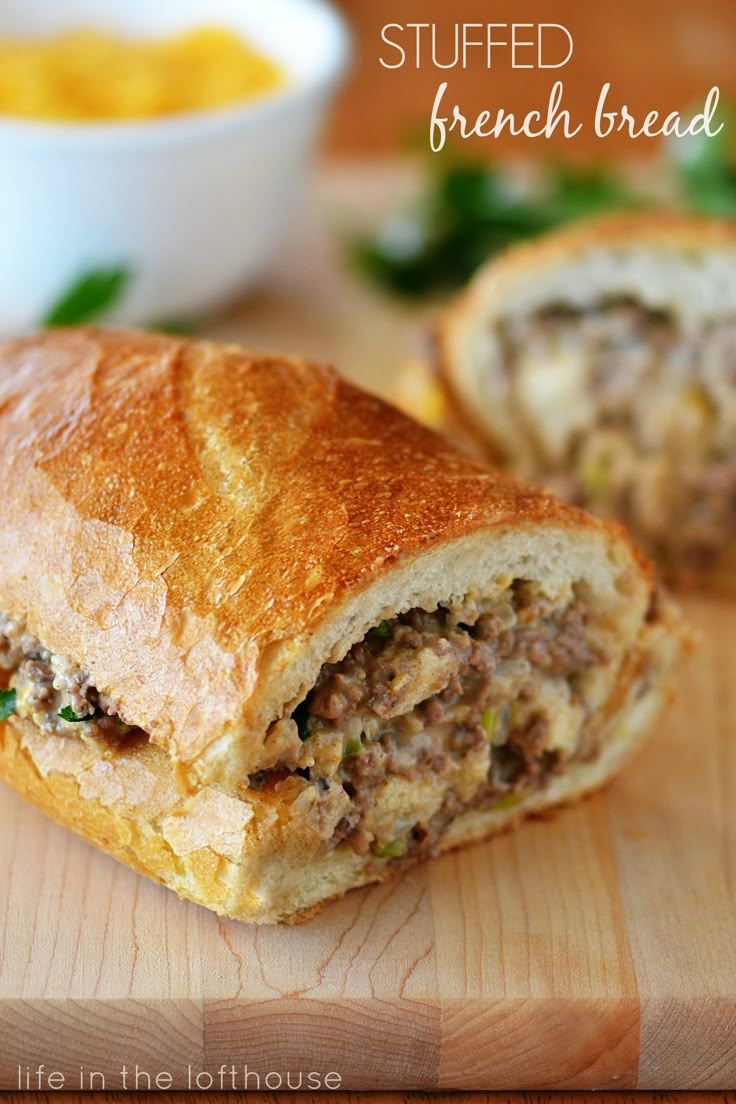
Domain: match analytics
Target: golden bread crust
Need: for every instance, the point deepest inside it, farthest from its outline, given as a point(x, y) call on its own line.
point(180, 517)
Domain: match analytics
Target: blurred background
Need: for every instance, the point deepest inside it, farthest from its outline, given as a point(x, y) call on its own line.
point(657, 54)
point(314, 220)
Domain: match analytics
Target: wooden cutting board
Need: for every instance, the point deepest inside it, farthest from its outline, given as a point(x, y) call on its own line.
point(596, 949)
point(593, 950)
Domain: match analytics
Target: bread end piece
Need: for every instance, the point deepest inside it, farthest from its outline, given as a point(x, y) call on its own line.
point(596, 360)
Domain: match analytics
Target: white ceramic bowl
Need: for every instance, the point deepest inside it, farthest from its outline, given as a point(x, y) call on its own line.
point(193, 205)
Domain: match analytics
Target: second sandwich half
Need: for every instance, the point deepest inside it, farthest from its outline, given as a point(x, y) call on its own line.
point(265, 639)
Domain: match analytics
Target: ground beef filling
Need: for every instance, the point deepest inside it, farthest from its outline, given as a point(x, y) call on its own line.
point(482, 701)
point(51, 691)
point(471, 695)
point(634, 416)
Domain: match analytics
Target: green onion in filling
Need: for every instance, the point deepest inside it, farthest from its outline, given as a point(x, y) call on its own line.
point(7, 703)
point(390, 850)
point(489, 722)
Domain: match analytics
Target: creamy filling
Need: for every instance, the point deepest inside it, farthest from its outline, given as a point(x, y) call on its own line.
point(474, 705)
point(50, 690)
point(633, 415)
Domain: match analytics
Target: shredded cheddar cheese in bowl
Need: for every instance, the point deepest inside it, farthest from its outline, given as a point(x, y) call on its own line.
point(94, 76)
point(154, 155)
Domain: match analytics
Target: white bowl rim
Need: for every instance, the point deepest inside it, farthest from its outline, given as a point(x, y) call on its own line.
point(182, 128)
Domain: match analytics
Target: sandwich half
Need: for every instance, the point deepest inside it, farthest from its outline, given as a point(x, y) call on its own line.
point(600, 361)
point(265, 639)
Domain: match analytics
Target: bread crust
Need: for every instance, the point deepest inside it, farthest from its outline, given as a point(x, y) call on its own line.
point(519, 266)
point(191, 522)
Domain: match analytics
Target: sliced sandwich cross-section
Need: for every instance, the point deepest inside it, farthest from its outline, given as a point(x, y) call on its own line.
point(601, 362)
point(319, 646)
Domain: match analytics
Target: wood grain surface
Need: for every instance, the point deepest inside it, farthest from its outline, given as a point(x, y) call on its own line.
point(596, 949)
point(393, 1098)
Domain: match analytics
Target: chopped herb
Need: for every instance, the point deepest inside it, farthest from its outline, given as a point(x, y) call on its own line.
point(390, 850)
point(301, 717)
point(89, 297)
point(7, 703)
point(68, 714)
point(578, 192)
point(382, 629)
point(353, 747)
point(704, 169)
point(469, 210)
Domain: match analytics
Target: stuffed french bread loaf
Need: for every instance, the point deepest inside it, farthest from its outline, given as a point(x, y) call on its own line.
point(265, 639)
